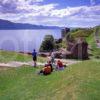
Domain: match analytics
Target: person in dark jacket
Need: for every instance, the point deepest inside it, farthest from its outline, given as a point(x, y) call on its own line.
point(34, 55)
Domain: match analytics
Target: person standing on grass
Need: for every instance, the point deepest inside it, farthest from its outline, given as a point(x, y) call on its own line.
point(34, 55)
point(52, 58)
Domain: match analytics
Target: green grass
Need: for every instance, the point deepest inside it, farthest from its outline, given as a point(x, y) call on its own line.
point(81, 33)
point(6, 56)
point(92, 43)
point(77, 82)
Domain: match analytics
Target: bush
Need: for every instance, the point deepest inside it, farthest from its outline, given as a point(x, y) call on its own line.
point(48, 44)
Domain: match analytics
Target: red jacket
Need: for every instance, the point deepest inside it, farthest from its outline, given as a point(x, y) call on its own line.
point(59, 64)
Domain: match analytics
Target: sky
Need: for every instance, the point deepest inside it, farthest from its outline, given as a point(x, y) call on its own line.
point(69, 13)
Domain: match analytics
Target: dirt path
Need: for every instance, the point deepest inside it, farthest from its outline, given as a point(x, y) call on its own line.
point(18, 64)
point(30, 63)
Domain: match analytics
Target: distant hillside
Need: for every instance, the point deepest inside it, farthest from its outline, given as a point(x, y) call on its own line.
point(4, 24)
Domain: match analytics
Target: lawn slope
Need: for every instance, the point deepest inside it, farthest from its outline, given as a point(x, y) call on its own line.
point(77, 82)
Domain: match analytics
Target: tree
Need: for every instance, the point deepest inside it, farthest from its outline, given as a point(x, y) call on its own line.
point(48, 43)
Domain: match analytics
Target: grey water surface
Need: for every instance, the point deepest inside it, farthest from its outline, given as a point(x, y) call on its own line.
point(25, 40)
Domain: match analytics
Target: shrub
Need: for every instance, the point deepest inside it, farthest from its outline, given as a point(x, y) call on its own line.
point(48, 43)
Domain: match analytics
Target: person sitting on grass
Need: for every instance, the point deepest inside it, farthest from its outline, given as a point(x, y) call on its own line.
point(60, 65)
point(49, 64)
point(47, 69)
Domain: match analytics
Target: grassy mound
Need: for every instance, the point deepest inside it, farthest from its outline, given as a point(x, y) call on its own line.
point(77, 82)
point(81, 33)
point(89, 34)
